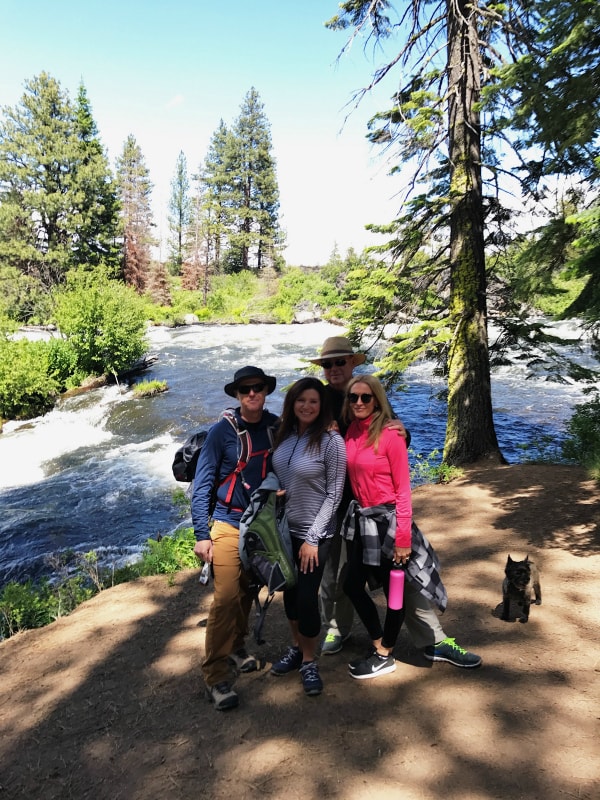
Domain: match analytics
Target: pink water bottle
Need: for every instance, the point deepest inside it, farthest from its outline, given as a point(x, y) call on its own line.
point(396, 592)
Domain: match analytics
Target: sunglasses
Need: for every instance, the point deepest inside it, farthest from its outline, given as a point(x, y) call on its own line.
point(364, 398)
point(339, 362)
point(257, 388)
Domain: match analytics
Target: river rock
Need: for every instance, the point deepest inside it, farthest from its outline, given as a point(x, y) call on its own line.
point(304, 317)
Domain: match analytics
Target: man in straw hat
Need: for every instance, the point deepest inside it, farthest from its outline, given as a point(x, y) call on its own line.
point(338, 361)
point(227, 625)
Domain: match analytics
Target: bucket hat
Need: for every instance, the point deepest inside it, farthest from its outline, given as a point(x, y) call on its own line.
point(250, 372)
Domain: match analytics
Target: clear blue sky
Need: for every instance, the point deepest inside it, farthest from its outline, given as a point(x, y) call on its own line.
point(167, 72)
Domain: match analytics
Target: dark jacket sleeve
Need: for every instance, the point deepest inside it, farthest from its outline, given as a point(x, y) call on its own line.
point(212, 459)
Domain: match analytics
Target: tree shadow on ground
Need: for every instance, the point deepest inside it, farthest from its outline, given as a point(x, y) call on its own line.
point(108, 703)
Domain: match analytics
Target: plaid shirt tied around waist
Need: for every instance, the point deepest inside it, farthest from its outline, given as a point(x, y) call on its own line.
point(377, 528)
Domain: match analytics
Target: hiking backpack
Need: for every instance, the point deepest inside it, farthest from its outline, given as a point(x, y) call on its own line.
point(186, 457)
point(265, 547)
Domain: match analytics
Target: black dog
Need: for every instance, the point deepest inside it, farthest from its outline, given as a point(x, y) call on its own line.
point(521, 578)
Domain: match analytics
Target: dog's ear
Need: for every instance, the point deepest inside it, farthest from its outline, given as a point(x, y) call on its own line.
point(527, 559)
point(508, 561)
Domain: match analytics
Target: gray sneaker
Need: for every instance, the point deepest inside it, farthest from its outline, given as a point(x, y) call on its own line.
point(448, 650)
point(333, 643)
point(222, 695)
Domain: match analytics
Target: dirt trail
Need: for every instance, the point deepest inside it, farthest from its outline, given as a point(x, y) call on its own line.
point(108, 703)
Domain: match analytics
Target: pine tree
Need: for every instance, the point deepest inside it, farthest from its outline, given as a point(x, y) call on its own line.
point(57, 204)
point(475, 78)
point(179, 215)
point(157, 285)
point(204, 238)
point(191, 276)
point(435, 114)
point(96, 235)
point(135, 191)
point(213, 198)
point(254, 233)
point(549, 102)
point(239, 205)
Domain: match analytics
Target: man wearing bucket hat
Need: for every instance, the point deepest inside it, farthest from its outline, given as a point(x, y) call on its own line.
point(338, 361)
point(227, 625)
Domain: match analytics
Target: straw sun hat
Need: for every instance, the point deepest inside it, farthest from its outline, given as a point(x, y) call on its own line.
point(338, 347)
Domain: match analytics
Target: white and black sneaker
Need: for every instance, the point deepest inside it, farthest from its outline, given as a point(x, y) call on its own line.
point(222, 695)
point(372, 667)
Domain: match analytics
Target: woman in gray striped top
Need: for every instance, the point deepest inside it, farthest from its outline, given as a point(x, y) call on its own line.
point(310, 462)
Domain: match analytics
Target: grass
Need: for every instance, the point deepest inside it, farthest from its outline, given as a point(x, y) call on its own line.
point(150, 388)
point(78, 576)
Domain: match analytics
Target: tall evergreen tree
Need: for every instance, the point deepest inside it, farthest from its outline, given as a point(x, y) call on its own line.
point(213, 198)
point(180, 209)
point(436, 112)
point(204, 237)
point(57, 205)
point(548, 97)
point(96, 235)
point(254, 232)
point(455, 55)
point(135, 190)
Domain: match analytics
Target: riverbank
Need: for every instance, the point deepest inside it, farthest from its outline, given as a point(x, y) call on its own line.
point(107, 703)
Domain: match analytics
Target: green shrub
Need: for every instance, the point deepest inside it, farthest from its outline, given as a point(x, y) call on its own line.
point(169, 553)
point(583, 436)
point(34, 605)
point(23, 606)
point(68, 594)
point(431, 469)
point(542, 449)
point(62, 363)
point(27, 389)
point(78, 576)
point(298, 288)
point(23, 298)
point(104, 321)
point(181, 501)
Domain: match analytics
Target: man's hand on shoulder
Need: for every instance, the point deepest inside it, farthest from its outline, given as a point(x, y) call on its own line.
point(396, 425)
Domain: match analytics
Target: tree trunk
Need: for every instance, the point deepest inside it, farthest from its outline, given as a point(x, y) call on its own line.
point(470, 433)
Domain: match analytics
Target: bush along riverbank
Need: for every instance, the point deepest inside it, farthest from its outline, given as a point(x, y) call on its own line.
point(78, 576)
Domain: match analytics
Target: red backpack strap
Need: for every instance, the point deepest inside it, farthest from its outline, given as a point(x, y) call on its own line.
point(244, 452)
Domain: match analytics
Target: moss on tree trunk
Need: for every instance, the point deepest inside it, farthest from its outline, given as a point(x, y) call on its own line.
point(470, 433)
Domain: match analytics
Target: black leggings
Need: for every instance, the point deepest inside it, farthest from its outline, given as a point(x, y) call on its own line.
point(355, 587)
point(301, 603)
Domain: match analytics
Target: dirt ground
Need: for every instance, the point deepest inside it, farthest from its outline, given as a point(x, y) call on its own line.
point(108, 703)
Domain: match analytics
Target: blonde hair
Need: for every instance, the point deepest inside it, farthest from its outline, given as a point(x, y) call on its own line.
point(382, 412)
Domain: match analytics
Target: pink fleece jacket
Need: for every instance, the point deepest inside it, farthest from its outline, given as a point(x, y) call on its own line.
point(382, 477)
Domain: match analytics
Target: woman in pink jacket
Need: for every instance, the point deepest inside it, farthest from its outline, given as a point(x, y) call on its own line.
point(378, 524)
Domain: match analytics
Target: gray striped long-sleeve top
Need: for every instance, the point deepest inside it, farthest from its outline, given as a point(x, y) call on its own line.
point(313, 481)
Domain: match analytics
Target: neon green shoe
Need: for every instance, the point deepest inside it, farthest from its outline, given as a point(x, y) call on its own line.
point(448, 650)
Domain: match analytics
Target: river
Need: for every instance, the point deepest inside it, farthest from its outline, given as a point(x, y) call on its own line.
point(95, 473)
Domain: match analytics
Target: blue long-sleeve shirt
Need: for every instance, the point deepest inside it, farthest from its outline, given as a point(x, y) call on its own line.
point(218, 459)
